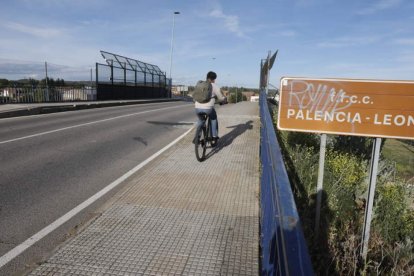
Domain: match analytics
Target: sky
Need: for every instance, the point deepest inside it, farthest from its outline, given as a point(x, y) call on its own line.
point(314, 38)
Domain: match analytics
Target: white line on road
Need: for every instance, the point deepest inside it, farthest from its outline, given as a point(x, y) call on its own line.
point(85, 124)
point(60, 221)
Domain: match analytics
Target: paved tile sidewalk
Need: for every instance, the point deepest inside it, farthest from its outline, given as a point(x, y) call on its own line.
point(178, 216)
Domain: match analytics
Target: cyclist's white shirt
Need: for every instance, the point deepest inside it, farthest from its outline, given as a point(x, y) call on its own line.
point(215, 92)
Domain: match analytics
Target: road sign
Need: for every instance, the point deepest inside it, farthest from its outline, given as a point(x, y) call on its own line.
point(348, 107)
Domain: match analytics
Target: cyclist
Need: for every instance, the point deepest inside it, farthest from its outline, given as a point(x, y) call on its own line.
point(208, 108)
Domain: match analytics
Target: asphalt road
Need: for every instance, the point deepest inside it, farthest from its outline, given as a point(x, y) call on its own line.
point(51, 163)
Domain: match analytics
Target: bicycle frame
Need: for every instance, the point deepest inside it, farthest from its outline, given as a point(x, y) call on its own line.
point(203, 137)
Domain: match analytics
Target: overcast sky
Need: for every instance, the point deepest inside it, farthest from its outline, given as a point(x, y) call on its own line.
point(315, 38)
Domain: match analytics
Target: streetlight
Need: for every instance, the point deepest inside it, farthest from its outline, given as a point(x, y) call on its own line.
point(172, 43)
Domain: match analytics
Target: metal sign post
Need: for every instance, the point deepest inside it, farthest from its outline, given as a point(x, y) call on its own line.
point(319, 187)
point(373, 171)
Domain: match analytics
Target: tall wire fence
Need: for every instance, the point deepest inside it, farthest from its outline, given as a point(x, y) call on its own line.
point(126, 78)
point(120, 78)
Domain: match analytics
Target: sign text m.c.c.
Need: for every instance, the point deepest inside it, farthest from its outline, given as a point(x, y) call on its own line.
point(349, 107)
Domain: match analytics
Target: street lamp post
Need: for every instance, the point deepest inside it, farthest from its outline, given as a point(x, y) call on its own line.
point(172, 42)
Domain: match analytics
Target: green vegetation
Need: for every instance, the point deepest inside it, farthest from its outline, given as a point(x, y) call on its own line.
point(234, 94)
point(233, 89)
point(336, 248)
point(4, 82)
point(32, 83)
point(402, 153)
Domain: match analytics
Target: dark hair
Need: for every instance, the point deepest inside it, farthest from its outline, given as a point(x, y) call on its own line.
point(211, 75)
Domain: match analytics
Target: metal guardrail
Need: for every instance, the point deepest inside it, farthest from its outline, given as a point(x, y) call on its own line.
point(283, 246)
point(43, 94)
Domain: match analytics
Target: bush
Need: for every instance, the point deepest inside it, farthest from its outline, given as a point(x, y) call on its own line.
point(393, 218)
point(309, 140)
point(343, 183)
point(305, 162)
point(344, 177)
point(338, 247)
point(358, 146)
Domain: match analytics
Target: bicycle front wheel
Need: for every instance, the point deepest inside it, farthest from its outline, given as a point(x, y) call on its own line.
point(201, 144)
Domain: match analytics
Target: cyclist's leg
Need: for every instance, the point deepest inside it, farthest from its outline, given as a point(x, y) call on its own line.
point(200, 121)
point(214, 123)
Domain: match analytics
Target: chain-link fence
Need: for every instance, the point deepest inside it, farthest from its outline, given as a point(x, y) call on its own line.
point(126, 78)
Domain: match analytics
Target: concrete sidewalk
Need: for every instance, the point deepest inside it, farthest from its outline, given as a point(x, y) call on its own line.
point(177, 216)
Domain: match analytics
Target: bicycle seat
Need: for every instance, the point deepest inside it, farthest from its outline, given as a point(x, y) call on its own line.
point(203, 114)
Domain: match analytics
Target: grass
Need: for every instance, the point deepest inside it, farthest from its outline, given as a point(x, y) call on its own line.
point(403, 155)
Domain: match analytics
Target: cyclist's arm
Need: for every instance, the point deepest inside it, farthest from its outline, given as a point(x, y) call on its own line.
point(217, 92)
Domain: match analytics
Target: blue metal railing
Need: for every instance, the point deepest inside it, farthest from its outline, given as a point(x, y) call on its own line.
point(283, 246)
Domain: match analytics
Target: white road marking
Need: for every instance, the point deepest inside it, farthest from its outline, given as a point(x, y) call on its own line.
point(60, 221)
point(85, 124)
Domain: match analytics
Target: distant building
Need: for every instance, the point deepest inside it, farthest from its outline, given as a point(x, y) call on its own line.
point(179, 90)
point(4, 93)
point(254, 98)
point(248, 95)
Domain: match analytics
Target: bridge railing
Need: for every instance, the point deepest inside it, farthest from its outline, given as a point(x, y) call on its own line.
point(283, 246)
point(46, 94)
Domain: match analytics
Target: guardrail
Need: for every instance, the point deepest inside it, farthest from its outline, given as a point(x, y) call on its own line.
point(283, 246)
point(43, 94)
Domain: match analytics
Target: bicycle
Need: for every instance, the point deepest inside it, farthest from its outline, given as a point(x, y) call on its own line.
point(203, 138)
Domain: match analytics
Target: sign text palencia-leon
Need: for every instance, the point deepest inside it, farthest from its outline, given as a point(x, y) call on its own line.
point(351, 107)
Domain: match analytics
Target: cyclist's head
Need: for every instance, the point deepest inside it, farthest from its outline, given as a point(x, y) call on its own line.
point(211, 76)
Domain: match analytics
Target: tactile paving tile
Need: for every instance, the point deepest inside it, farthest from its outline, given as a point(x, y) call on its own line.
point(179, 216)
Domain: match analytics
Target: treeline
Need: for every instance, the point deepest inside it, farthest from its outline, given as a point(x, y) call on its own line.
point(232, 89)
point(49, 82)
point(234, 94)
point(32, 83)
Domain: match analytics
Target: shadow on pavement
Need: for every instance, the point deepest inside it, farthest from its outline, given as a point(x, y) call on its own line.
point(228, 138)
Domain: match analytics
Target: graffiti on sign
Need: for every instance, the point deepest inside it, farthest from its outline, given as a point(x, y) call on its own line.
point(348, 107)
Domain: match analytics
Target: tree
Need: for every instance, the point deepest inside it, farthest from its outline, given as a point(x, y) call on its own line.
point(359, 146)
point(52, 83)
point(4, 82)
point(60, 82)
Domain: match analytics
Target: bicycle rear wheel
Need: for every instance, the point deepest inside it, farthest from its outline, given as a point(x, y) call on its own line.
point(201, 144)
